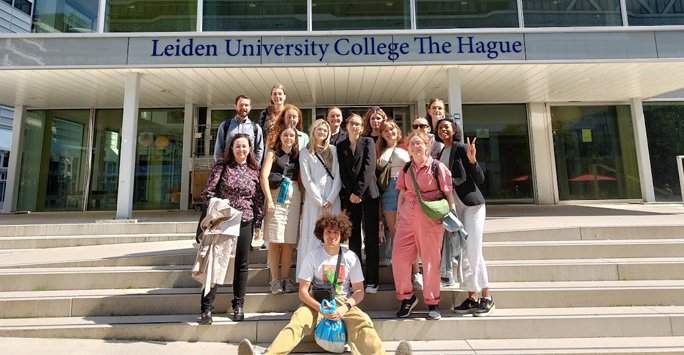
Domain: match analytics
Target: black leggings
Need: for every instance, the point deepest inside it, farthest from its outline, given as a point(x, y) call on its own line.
point(368, 211)
point(241, 270)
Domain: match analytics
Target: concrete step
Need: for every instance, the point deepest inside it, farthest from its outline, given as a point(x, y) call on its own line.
point(120, 227)
point(128, 302)
point(174, 276)
point(38, 242)
point(559, 233)
point(180, 252)
point(603, 346)
point(520, 323)
point(589, 249)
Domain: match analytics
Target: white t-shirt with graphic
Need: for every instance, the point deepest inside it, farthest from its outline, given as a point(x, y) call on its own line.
point(319, 266)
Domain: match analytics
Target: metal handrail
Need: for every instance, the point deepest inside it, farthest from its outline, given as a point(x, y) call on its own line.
point(680, 169)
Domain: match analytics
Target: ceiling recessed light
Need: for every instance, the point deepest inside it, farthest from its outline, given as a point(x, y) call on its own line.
point(389, 3)
point(464, 3)
point(131, 6)
point(251, 4)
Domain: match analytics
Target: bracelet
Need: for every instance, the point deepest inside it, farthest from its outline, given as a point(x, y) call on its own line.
point(349, 306)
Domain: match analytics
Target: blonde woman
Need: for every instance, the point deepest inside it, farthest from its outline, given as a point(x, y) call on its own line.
point(321, 179)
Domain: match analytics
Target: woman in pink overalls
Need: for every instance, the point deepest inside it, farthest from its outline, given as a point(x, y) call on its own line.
point(416, 233)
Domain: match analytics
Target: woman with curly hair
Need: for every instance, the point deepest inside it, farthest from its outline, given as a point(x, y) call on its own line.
point(291, 115)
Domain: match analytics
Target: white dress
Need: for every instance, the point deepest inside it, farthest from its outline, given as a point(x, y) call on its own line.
point(320, 188)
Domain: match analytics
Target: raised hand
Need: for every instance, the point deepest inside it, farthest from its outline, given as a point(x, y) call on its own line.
point(471, 150)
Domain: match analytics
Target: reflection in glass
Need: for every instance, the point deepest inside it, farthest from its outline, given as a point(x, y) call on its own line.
point(53, 161)
point(664, 130)
point(285, 15)
point(104, 179)
point(503, 150)
point(655, 12)
point(65, 16)
point(595, 153)
point(466, 14)
point(360, 15)
point(151, 16)
point(569, 13)
point(159, 159)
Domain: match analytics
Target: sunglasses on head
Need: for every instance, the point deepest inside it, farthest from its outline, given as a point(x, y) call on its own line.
point(375, 109)
point(420, 126)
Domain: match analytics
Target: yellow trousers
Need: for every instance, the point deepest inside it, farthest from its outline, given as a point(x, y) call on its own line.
point(361, 336)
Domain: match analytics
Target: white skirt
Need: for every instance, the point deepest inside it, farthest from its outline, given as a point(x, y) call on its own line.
point(283, 225)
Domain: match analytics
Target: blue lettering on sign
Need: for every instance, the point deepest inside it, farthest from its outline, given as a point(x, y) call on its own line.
point(368, 46)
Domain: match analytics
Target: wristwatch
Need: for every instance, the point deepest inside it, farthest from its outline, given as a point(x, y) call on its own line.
point(349, 306)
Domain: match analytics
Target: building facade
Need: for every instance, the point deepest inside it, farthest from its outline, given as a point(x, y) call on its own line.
point(118, 101)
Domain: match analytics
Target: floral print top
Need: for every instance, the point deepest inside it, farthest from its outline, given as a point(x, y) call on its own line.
point(240, 185)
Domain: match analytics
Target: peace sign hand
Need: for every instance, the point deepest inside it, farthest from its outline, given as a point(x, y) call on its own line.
point(471, 151)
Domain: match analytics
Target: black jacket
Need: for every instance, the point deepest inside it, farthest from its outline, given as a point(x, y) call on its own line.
point(357, 170)
point(339, 137)
point(465, 176)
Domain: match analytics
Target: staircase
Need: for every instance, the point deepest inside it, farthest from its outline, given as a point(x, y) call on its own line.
point(599, 289)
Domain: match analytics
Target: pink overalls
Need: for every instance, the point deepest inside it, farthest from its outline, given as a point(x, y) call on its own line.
point(416, 233)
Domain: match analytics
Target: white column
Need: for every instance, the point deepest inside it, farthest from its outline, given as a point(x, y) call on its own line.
point(643, 157)
point(188, 123)
point(101, 13)
point(129, 132)
point(541, 145)
point(14, 165)
point(455, 100)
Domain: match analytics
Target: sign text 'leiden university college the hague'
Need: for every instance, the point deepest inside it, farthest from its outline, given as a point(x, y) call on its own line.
point(322, 49)
point(84, 51)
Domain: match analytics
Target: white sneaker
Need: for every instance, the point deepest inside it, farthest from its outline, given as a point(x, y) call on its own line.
point(404, 348)
point(371, 288)
point(246, 348)
point(417, 281)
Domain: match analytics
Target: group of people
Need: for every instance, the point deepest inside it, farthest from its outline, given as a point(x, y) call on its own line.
point(279, 176)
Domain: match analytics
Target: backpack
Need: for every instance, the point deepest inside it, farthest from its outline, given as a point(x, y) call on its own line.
point(225, 132)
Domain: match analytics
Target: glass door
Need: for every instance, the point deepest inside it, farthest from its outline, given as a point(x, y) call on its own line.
point(595, 153)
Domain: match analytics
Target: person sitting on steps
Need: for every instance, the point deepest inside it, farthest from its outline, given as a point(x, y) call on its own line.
point(362, 338)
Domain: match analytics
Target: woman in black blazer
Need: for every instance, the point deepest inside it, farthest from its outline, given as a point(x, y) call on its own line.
point(466, 174)
point(360, 195)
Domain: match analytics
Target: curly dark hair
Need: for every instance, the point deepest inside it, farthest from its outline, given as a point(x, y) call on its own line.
point(338, 222)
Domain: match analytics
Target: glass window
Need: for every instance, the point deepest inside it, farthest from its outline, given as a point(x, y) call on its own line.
point(655, 12)
point(360, 15)
point(285, 15)
point(23, 6)
point(151, 16)
point(159, 159)
point(104, 179)
point(503, 150)
point(65, 16)
point(595, 153)
point(466, 14)
point(665, 129)
point(569, 13)
point(8, 1)
point(53, 161)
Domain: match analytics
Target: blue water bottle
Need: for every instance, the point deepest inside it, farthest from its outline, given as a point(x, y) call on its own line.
point(284, 186)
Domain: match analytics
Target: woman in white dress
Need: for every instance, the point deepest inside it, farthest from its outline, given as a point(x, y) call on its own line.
point(322, 184)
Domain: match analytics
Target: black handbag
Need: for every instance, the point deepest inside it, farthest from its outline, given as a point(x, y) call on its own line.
point(275, 179)
point(327, 291)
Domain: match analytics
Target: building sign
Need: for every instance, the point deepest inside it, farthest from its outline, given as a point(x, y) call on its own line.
point(325, 50)
point(200, 50)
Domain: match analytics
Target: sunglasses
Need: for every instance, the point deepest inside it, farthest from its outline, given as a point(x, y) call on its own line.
point(375, 109)
point(420, 126)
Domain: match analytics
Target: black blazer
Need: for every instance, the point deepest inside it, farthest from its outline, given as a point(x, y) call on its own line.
point(342, 135)
point(357, 170)
point(465, 176)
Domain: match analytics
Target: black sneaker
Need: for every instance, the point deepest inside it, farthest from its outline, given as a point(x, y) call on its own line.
point(469, 306)
point(407, 306)
point(434, 312)
point(238, 314)
point(485, 308)
point(206, 318)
